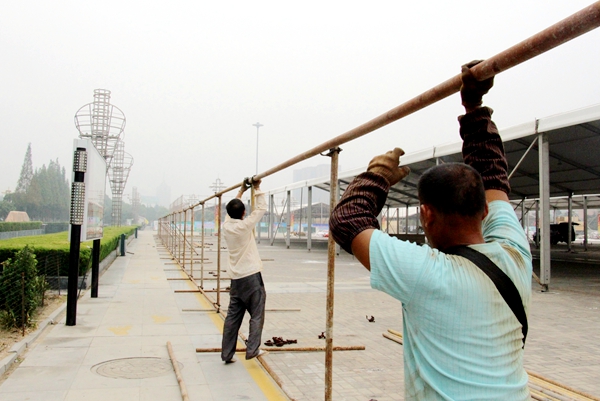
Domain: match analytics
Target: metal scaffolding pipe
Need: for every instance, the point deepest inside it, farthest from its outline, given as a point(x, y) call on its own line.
point(333, 199)
point(563, 31)
point(219, 256)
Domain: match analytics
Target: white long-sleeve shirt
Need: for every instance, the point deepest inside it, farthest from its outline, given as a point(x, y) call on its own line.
point(244, 259)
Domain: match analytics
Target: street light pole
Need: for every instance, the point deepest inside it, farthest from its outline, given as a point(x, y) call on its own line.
point(257, 125)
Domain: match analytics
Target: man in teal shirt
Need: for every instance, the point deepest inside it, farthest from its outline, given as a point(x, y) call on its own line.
point(461, 339)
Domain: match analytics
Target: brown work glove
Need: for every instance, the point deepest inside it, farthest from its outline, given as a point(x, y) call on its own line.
point(472, 90)
point(245, 185)
point(386, 165)
point(358, 208)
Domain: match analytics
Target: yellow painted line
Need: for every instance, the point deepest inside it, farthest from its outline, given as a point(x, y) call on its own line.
point(262, 379)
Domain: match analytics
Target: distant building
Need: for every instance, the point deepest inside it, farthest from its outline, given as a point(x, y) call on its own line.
point(308, 173)
point(17, 217)
point(163, 195)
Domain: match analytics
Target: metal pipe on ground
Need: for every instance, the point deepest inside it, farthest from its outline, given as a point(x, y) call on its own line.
point(292, 349)
point(182, 387)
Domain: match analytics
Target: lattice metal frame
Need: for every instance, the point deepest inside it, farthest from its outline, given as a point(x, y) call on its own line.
point(104, 123)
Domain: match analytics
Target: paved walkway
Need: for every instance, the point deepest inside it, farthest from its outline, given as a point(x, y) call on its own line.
point(138, 312)
point(118, 348)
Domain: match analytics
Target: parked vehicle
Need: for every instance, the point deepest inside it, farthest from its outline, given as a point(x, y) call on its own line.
point(558, 233)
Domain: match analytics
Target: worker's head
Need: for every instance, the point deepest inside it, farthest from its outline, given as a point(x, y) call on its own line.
point(236, 209)
point(452, 198)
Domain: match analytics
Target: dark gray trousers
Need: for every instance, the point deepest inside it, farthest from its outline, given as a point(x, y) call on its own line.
point(246, 294)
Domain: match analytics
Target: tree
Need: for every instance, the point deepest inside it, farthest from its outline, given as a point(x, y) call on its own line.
point(26, 172)
point(21, 289)
point(6, 206)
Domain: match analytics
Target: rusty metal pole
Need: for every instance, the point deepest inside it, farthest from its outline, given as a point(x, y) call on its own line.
point(219, 256)
point(333, 198)
point(181, 239)
point(192, 244)
point(184, 238)
point(202, 252)
point(563, 31)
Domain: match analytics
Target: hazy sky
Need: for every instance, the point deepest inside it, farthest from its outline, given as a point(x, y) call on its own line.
point(192, 77)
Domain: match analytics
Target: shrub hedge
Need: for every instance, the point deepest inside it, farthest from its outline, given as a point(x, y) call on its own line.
point(25, 225)
point(51, 228)
point(56, 247)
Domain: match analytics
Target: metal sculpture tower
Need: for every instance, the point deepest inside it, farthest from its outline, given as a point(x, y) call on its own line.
point(103, 124)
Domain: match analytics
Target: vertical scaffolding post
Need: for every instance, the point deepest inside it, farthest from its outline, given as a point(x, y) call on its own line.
point(537, 224)
point(387, 219)
point(270, 229)
point(309, 220)
point(585, 224)
point(523, 212)
point(184, 237)
point(333, 198)
point(202, 251)
point(570, 220)
point(544, 172)
point(219, 258)
point(289, 219)
point(192, 243)
point(406, 221)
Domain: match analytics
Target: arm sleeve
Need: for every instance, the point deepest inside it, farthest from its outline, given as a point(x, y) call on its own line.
point(358, 209)
point(397, 266)
point(259, 211)
point(483, 149)
point(501, 225)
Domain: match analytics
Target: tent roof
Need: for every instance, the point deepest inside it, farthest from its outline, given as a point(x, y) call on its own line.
point(574, 139)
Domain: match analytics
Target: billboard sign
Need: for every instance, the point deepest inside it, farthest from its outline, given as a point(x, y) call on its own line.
point(95, 186)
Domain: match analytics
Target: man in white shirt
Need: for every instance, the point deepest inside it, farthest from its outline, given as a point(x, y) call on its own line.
point(247, 291)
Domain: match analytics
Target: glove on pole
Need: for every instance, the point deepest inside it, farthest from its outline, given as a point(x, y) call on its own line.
point(365, 197)
point(482, 146)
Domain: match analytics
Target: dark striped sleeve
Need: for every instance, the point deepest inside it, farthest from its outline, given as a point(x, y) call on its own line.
point(483, 149)
point(358, 208)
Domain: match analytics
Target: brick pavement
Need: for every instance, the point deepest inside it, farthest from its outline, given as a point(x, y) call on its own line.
point(562, 343)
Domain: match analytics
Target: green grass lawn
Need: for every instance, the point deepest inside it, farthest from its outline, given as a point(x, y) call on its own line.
point(57, 246)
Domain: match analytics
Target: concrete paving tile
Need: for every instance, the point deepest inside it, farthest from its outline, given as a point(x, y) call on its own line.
point(40, 378)
point(87, 378)
point(170, 392)
point(163, 329)
point(66, 342)
point(121, 319)
point(34, 396)
point(101, 354)
point(120, 341)
point(182, 338)
point(206, 340)
point(202, 329)
point(55, 356)
point(112, 394)
point(119, 330)
point(236, 391)
point(198, 392)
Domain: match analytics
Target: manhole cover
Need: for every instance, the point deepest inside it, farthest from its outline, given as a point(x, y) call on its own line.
point(135, 368)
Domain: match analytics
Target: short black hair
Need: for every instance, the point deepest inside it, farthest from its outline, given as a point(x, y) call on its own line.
point(453, 188)
point(235, 208)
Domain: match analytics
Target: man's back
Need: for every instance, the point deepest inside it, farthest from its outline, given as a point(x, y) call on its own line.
point(239, 236)
point(461, 340)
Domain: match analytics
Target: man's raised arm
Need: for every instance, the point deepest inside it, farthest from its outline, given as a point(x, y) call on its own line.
point(482, 146)
point(355, 217)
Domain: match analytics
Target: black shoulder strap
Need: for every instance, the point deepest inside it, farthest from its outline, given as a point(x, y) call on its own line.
point(502, 282)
